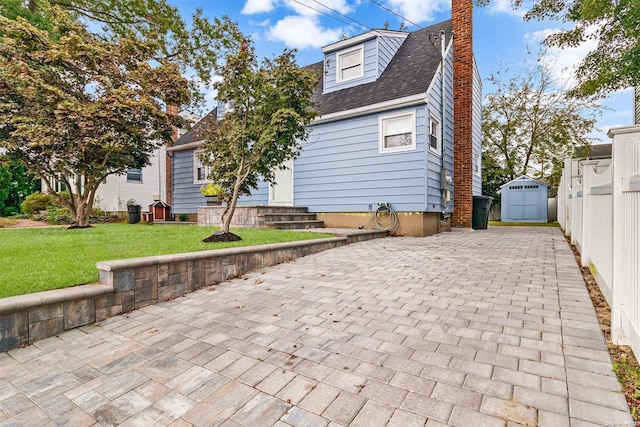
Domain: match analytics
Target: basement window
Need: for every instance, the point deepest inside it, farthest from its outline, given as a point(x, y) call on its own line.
point(397, 133)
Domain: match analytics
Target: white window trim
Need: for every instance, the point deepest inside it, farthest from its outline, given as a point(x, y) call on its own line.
point(196, 163)
point(438, 148)
point(478, 163)
point(381, 134)
point(339, 55)
point(134, 181)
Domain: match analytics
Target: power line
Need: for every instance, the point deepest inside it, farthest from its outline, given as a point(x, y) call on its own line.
point(335, 11)
point(331, 16)
point(391, 11)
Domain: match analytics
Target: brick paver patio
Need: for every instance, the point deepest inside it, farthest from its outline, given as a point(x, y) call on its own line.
point(473, 328)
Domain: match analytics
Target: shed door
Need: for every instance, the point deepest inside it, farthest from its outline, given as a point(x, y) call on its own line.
point(525, 203)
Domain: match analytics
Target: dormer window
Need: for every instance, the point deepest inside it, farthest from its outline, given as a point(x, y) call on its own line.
point(350, 64)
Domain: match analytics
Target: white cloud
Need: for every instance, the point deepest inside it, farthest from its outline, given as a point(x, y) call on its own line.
point(418, 11)
point(252, 7)
point(312, 8)
point(562, 61)
point(264, 23)
point(506, 7)
point(303, 32)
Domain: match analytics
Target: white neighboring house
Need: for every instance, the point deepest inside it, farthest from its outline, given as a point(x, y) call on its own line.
point(138, 186)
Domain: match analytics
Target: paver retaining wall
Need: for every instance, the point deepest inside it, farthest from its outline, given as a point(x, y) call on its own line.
point(130, 284)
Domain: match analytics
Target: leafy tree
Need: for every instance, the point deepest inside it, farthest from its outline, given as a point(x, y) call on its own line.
point(15, 184)
point(75, 109)
point(529, 124)
point(196, 46)
point(272, 108)
point(493, 176)
point(614, 63)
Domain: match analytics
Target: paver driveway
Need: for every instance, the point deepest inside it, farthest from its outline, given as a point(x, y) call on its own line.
point(466, 328)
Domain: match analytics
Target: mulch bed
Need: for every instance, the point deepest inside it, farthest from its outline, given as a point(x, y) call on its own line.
point(625, 363)
point(219, 236)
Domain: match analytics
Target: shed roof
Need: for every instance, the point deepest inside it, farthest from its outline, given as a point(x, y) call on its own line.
point(525, 178)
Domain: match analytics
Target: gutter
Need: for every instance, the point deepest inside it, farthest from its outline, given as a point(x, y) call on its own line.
point(407, 101)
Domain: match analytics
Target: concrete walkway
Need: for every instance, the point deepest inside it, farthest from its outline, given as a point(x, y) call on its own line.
point(474, 328)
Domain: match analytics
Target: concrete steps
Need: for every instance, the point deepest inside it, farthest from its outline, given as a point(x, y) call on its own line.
point(288, 218)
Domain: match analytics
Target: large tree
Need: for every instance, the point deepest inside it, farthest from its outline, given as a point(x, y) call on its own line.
point(75, 108)
point(529, 124)
point(614, 63)
point(196, 46)
point(272, 108)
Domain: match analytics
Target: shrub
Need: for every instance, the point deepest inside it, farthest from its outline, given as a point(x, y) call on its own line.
point(183, 217)
point(7, 222)
point(36, 202)
point(58, 216)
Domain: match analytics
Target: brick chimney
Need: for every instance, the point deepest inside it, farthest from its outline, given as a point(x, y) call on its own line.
point(172, 110)
point(462, 26)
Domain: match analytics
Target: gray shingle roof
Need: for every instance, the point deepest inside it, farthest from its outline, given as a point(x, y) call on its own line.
point(190, 136)
point(410, 72)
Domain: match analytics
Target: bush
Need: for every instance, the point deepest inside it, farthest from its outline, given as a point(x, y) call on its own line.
point(183, 217)
point(58, 216)
point(7, 222)
point(36, 202)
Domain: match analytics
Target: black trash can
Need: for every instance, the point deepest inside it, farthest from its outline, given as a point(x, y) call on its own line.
point(134, 213)
point(480, 215)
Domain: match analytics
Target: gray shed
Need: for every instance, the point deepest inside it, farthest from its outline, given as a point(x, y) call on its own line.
point(524, 200)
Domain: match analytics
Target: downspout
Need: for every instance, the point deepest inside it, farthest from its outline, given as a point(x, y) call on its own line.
point(443, 49)
point(443, 87)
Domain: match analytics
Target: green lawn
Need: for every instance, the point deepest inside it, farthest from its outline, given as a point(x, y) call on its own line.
point(33, 260)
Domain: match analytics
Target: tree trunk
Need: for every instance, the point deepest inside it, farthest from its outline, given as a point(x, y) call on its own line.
point(83, 212)
point(232, 206)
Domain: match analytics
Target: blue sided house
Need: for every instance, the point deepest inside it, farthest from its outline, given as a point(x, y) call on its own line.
point(385, 133)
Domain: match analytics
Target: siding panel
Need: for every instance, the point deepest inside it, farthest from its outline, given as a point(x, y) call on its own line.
point(342, 170)
point(387, 48)
point(436, 161)
point(477, 126)
point(186, 194)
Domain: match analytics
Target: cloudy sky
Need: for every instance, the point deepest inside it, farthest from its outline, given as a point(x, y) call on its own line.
point(500, 34)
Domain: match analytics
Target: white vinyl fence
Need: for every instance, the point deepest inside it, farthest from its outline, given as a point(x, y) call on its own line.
point(599, 208)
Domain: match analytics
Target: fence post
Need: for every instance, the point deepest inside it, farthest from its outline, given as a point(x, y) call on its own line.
point(567, 195)
point(625, 307)
point(576, 202)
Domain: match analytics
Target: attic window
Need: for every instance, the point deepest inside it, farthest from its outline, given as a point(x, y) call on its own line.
point(397, 133)
point(350, 64)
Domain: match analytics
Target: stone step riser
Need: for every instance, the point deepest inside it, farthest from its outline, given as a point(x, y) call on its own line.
point(287, 217)
point(295, 225)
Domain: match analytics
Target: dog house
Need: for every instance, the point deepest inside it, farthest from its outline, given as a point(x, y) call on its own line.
point(524, 200)
point(158, 211)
